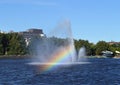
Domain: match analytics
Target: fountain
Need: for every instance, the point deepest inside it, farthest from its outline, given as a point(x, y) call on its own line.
point(82, 54)
point(57, 48)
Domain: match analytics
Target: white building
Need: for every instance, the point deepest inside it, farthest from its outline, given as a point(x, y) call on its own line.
point(31, 33)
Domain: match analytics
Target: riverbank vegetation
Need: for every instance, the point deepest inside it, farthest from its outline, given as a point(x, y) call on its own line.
point(96, 49)
point(14, 44)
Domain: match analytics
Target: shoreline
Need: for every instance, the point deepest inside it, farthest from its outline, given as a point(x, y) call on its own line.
point(30, 56)
point(117, 57)
point(15, 56)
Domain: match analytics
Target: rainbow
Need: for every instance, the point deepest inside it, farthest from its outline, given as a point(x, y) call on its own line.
point(59, 56)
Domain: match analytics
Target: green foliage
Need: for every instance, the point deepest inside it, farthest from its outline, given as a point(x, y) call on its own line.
point(3, 43)
point(12, 44)
point(80, 43)
point(92, 49)
point(17, 45)
point(101, 46)
point(96, 49)
point(114, 47)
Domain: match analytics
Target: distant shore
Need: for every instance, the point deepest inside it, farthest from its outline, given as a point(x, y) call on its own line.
point(117, 56)
point(29, 56)
point(14, 56)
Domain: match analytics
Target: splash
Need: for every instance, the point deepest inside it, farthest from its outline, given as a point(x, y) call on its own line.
point(63, 55)
point(56, 49)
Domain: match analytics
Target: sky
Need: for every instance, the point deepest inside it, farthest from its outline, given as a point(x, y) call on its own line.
point(92, 20)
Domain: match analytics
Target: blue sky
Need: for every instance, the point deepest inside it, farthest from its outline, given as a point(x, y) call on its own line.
point(92, 20)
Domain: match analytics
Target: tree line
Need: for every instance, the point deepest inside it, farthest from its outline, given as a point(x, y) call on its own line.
point(14, 44)
point(96, 49)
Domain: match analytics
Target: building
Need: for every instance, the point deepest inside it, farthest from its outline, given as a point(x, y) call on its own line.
point(30, 33)
point(113, 42)
point(107, 53)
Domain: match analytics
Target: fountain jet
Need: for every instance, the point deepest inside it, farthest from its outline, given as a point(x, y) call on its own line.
point(57, 47)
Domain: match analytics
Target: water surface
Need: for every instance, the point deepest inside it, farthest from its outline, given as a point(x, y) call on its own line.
point(104, 71)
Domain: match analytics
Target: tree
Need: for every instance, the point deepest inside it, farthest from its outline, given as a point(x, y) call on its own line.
point(17, 45)
point(3, 43)
point(114, 47)
point(92, 49)
point(80, 43)
point(101, 46)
